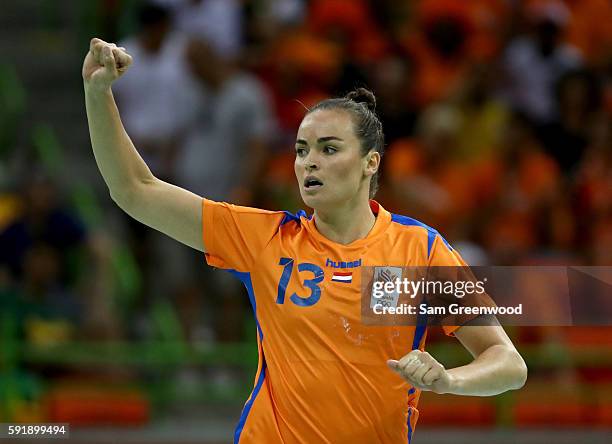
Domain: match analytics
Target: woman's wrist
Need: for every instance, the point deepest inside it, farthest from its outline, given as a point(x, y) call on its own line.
point(455, 383)
point(93, 90)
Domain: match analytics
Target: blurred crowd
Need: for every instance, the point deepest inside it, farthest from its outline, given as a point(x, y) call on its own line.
point(497, 117)
point(496, 113)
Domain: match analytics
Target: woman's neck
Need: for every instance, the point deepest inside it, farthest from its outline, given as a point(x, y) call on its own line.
point(346, 223)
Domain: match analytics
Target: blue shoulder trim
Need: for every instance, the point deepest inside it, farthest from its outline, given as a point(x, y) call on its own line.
point(293, 217)
point(431, 233)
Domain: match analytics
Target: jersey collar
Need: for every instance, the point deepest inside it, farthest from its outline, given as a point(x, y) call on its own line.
point(383, 219)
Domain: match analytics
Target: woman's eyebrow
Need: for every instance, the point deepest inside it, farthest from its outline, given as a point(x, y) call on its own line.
point(320, 140)
point(329, 138)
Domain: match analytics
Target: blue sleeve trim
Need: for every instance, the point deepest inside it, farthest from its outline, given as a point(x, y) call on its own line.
point(409, 425)
point(419, 332)
point(245, 278)
point(431, 233)
point(293, 217)
point(449, 246)
point(421, 326)
point(247, 407)
point(431, 237)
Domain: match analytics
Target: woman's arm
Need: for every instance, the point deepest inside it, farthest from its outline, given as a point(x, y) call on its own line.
point(160, 205)
point(496, 368)
point(497, 365)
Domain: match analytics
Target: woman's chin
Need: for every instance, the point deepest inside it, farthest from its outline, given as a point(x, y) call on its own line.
point(309, 201)
point(320, 202)
point(314, 200)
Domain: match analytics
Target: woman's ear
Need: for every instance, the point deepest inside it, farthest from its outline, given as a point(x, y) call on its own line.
point(372, 163)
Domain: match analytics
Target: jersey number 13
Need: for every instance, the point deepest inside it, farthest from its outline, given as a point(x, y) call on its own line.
point(311, 284)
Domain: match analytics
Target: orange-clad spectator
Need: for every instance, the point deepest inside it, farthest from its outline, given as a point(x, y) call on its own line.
point(490, 22)
point(530, 187)
point(589, 28)
point(318, 59)
point(405, 158)
point(412, 186)
point(509, 236)
point(448, 37)
point(393, 82)
point(291, 107)
point(439, 48)
point(436, 77)
point(485, 20)
point(431, 10)
point(594, 176)
point(300, 68)
point(538, 176)
point(349, 23)
point(430, 182)
point(533, 177)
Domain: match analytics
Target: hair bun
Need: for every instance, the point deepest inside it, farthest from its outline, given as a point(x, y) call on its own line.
point(363, 95)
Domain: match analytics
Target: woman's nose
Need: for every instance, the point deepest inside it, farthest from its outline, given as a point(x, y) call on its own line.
point(311, 166)
point(311, 162)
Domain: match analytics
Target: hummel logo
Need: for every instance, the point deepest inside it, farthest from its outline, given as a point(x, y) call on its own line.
point(354, 264)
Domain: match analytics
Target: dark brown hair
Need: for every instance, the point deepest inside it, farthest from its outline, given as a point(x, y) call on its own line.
point(361, 103)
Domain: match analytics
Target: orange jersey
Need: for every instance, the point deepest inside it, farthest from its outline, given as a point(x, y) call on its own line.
point(322, 375)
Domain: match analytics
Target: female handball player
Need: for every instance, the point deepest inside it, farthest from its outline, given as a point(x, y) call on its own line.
point(323, 376)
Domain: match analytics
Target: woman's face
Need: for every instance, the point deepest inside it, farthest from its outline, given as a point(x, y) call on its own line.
point(329, 167)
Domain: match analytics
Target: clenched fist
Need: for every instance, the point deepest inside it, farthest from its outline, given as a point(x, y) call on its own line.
point(422, 371)
point(104, 63)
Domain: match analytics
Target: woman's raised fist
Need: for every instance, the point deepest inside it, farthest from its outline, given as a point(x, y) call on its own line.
point(104, 63)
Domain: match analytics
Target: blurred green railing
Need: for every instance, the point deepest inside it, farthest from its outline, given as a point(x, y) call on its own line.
point(160, 353)
point(144, 355)
point(171, 355)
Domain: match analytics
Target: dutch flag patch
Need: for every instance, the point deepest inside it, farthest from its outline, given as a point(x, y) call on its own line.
point(340, 276)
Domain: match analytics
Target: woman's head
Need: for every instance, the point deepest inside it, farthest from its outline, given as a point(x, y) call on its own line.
point(339, 147)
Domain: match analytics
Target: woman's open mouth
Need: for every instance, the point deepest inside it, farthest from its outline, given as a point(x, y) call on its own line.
point(312, 183)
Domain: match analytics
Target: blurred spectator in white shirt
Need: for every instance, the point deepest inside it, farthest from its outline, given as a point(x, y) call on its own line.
point(218, 22)
point(224, 155)
point(533, 64)
point(158, 97)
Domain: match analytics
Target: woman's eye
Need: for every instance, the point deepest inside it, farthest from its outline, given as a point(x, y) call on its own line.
point(329, 150)
point(300, 152)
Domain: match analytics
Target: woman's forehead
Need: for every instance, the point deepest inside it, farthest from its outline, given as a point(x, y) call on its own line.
point(326, 123)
